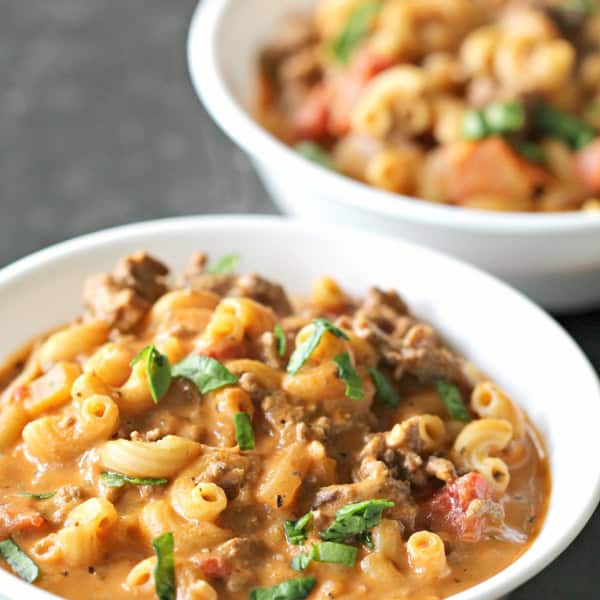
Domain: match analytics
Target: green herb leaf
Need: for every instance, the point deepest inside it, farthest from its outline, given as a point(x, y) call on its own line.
point(244, 436)
point(355, 519)
point(586, 7)
point(504, 117)
point(452, 398)
point(550, 121)
point(531, 151)
point(295, 531)
point(204, 372)
point(281, 340)
point(302, 353)
point(354, 384)
point(226, 264)
point(367, 539)
point(301, 560)
point(474, 126)
point(19, 562)
point(164, 572)
point(385, 391)
point(158, 371)
point(113, 479)
point(332, 552)
point(292, 589)
point(316, 154)
point(356, 29)
point(42, 496)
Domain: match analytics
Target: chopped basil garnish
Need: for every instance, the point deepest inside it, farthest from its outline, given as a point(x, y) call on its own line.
point(226, 264)
point(280, 339)
point(585, 7)
point(113, 479)
point(295, 531)
point(302, 353)
point(292, 589)
point(354, 384)
point(158, 371)
point(316, 154)
point(329, 552)
point(551, 121)
point(531, 151)
point(204, 372)
point(19, 562)
point(385, 391)
point(244, 436)
point(164, 572)
point(474, 126)
point(333, 552)
point(355, 30)
point(499, 118)
point(301, 560)
point(42, 496)
point(355, 519)
point(451, 397)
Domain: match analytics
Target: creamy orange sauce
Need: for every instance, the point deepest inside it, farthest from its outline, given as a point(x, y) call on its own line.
point(322, 441)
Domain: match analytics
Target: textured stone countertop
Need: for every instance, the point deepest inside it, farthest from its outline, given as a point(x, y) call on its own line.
point(99, 126)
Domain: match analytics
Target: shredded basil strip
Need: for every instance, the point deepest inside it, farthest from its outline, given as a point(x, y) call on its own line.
point(531, 151)
point(158, 371)
point(551, 121)
point(384, 390)
point(585, 7)
point(295, 531)
point(42, 496)
point(114, 479)
point(316, 154)
point(354, 384)
point(281, 340)
point(302, 353)
point(226, 264)
point(329, 552)
point(355, 519)
point(204, 372)
point(452, 398)
point(356, 29)
point(19, 562)
point(164, 572)
point(292, 589)
point(244, 436)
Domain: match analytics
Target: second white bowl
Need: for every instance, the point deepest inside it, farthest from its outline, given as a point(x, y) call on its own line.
point(554, 258)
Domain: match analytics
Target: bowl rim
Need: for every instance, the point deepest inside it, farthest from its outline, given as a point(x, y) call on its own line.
point(256, 141)
point(68, 250)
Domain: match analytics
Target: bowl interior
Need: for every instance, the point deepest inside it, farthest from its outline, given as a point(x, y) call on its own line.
point(505, 335)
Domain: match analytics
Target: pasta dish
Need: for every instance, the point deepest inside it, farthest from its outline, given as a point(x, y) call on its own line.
point(214, 438)
point(485, 104)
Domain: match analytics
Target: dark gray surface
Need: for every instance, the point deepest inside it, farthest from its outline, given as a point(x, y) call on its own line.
point(99, 126)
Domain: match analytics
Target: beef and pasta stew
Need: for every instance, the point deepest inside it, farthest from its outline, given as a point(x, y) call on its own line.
point(217, 439)
point(488, 104)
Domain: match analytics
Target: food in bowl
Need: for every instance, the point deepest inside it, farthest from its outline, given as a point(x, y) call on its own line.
point(483, 104)
point(217, 439)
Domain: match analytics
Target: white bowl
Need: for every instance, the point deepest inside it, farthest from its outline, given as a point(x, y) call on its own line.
point(554, 258)
point(507, 336)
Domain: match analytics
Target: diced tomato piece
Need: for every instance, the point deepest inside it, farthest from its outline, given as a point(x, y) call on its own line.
point(212, 567)
point(588, 166)
point(446, 510)
point(14, 518)
point(364, 66)
point(21, 392)
point(310, 120)
point(487, 167)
